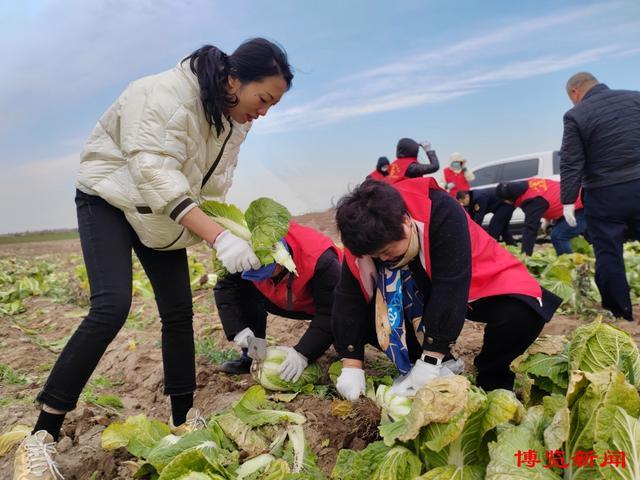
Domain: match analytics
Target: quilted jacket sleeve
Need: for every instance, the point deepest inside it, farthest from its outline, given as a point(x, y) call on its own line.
point(154, 135)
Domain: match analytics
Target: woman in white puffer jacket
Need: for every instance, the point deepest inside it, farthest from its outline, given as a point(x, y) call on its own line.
point(168, 143)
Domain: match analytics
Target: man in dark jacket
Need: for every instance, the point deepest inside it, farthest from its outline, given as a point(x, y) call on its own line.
point(479, 202)
point(601, 152)
point(243, 300)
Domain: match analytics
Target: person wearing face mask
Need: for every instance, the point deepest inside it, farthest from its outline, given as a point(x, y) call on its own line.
point(456, 175)
point(243, 301)
point(168, 143)
point(415, 267)
point(382, 169)
point(406, 164)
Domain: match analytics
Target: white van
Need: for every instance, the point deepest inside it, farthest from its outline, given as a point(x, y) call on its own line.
point(522, 167)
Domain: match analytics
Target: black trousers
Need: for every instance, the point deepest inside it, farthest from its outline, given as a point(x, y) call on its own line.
point(613, 214)
point(511, 327)
point(107, 242)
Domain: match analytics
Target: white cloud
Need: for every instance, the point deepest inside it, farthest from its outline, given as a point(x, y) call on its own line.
point(422, 90)
point(484, 60)
point(479, 45)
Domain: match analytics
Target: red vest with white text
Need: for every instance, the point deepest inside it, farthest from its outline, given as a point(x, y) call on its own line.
point(494, 271)
point(294, 293)
point(550, 191)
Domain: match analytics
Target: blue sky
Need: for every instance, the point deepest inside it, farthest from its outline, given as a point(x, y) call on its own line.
point(482, 78)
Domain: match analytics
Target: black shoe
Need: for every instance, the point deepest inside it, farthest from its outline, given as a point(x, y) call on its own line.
point(237, 367)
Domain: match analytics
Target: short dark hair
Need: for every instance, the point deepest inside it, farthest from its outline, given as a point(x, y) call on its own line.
point(370, 217)
point(460, 194)
point(252, 61)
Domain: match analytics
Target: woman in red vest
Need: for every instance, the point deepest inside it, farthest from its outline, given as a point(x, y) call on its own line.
point(456, 175)
point(382, 169)
point(540, 198)
point(243, 300)
point(406, 164)
point(415, 267)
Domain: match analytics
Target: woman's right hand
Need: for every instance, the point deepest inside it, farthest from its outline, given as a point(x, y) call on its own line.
point(235, 253)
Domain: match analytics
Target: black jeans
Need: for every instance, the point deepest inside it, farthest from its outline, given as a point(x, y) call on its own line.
point(107, 240)
point(511, 327)
point(613, 214)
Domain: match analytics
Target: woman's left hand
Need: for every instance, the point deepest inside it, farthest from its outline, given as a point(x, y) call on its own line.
point(235, 253)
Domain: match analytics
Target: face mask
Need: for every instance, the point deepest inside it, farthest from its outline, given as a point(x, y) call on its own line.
point(385, 168)
point(456, 165)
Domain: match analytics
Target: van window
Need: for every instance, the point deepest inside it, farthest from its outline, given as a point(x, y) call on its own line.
point(519, 170)
point(556, 163)
point(486, 175)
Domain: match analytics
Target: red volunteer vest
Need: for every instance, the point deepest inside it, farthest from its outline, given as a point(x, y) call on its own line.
point(494, 271)
point(294, 293)
point(398, 169)
point(458, 179)
point(376, 175)
point(550, 191)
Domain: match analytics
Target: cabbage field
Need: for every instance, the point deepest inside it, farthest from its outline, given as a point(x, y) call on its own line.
point(576, 414)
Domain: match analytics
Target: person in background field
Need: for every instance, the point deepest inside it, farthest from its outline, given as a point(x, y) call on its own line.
point(382, 169)
point(168, 143)
point(406, 164)
point(601, 153)
point(478, 203)
point(456, 176)
point(243, 300)
point(539, 198)
point(415, 267)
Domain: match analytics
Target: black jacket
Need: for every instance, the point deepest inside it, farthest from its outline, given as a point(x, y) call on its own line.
point(241, 305)
point(601, 141)
point(445, 293)
point(482, 202)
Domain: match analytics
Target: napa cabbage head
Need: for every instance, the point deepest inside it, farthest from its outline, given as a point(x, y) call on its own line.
point(263, 225)
point(267, 373)
point(598, 345)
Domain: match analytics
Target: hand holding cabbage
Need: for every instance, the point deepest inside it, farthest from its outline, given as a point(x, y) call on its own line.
point(263, 224)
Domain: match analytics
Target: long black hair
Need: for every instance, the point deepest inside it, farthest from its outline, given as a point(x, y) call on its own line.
point(252, 61)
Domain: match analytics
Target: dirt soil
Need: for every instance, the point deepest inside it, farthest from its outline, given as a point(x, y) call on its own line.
point(133, 364)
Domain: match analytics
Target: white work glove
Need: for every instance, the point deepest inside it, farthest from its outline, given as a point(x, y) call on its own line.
point(426, 145)
point(293, 365)
point(420, 374)
point(569, 212)
point(235, 253)
point(452, 367)
point(242, 338)
point(351, 383)
point(449, 186)
point(544, 225)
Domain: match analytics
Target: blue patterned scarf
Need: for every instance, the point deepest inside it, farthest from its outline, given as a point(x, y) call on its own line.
point(398, 298)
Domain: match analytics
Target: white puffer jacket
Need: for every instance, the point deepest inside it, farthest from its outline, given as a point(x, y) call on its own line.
point(154, 156)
